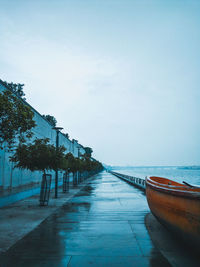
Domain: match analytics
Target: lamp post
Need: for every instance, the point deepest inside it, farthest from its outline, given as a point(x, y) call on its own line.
point(56, 171)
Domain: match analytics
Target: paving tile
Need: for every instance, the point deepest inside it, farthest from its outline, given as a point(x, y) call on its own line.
point(36, 262)
point(77, 261)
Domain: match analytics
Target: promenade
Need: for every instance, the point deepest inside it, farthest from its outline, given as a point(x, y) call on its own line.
point(104, 224)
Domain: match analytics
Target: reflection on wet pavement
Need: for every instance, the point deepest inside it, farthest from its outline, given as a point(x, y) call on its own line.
point(103, 225)
point(176, 251)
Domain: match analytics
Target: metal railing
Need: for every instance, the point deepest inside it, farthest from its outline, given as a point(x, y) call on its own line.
point(139, 182)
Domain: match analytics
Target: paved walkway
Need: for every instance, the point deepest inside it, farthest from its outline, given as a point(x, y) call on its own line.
point(103, 225)
point(20, 218)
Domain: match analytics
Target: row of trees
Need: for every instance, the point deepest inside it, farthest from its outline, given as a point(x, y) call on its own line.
point(16, 124)
point(42, 156)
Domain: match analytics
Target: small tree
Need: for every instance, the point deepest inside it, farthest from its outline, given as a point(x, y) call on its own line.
point(91, 165)
point(88, 151)
point(40, 156)
point(73, 164)
point(51, 119)
point(16, 119)
point(70, 161)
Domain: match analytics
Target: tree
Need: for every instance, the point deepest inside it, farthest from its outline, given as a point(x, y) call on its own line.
point(91, 165)
point(88, 151)
point(16, 119)
point(16, 88)
point(72, 163)
point(51, 119)
point(39, 156)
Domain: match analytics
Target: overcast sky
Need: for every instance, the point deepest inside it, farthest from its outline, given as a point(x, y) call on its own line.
point(120, 76)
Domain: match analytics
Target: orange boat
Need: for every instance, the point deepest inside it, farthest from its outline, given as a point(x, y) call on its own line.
point(175, 205)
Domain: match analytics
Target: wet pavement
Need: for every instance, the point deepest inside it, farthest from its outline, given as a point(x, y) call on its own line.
point(103, 225)
point(170, 245)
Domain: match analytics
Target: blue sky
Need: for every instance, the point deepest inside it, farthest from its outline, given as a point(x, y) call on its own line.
point(119, 76)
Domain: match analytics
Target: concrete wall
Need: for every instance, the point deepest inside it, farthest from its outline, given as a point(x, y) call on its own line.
point(13, 177)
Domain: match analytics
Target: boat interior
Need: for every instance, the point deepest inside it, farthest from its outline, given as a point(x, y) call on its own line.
point(164, 182)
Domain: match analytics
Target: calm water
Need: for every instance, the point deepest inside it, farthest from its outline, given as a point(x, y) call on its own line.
point(174, 173)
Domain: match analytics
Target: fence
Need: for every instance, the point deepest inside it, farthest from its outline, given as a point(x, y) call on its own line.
point(139, 182)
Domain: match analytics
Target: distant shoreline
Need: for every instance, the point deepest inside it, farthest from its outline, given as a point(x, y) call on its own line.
point(177, 167)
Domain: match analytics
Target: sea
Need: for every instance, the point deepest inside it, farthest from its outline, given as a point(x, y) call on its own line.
point(190, 175)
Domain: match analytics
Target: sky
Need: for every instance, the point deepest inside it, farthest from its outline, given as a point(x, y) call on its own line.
point(119, 76)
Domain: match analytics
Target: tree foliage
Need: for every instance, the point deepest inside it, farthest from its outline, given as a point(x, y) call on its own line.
point(42, 156)
point(51, 119)
point(72, 163)
point(88, 151)
point(16, 88)
point(84, 164)
point(16, 119)
point(91, 164)
point(39, 156)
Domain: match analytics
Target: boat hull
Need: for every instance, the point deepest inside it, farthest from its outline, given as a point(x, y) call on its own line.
point(177, 210)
